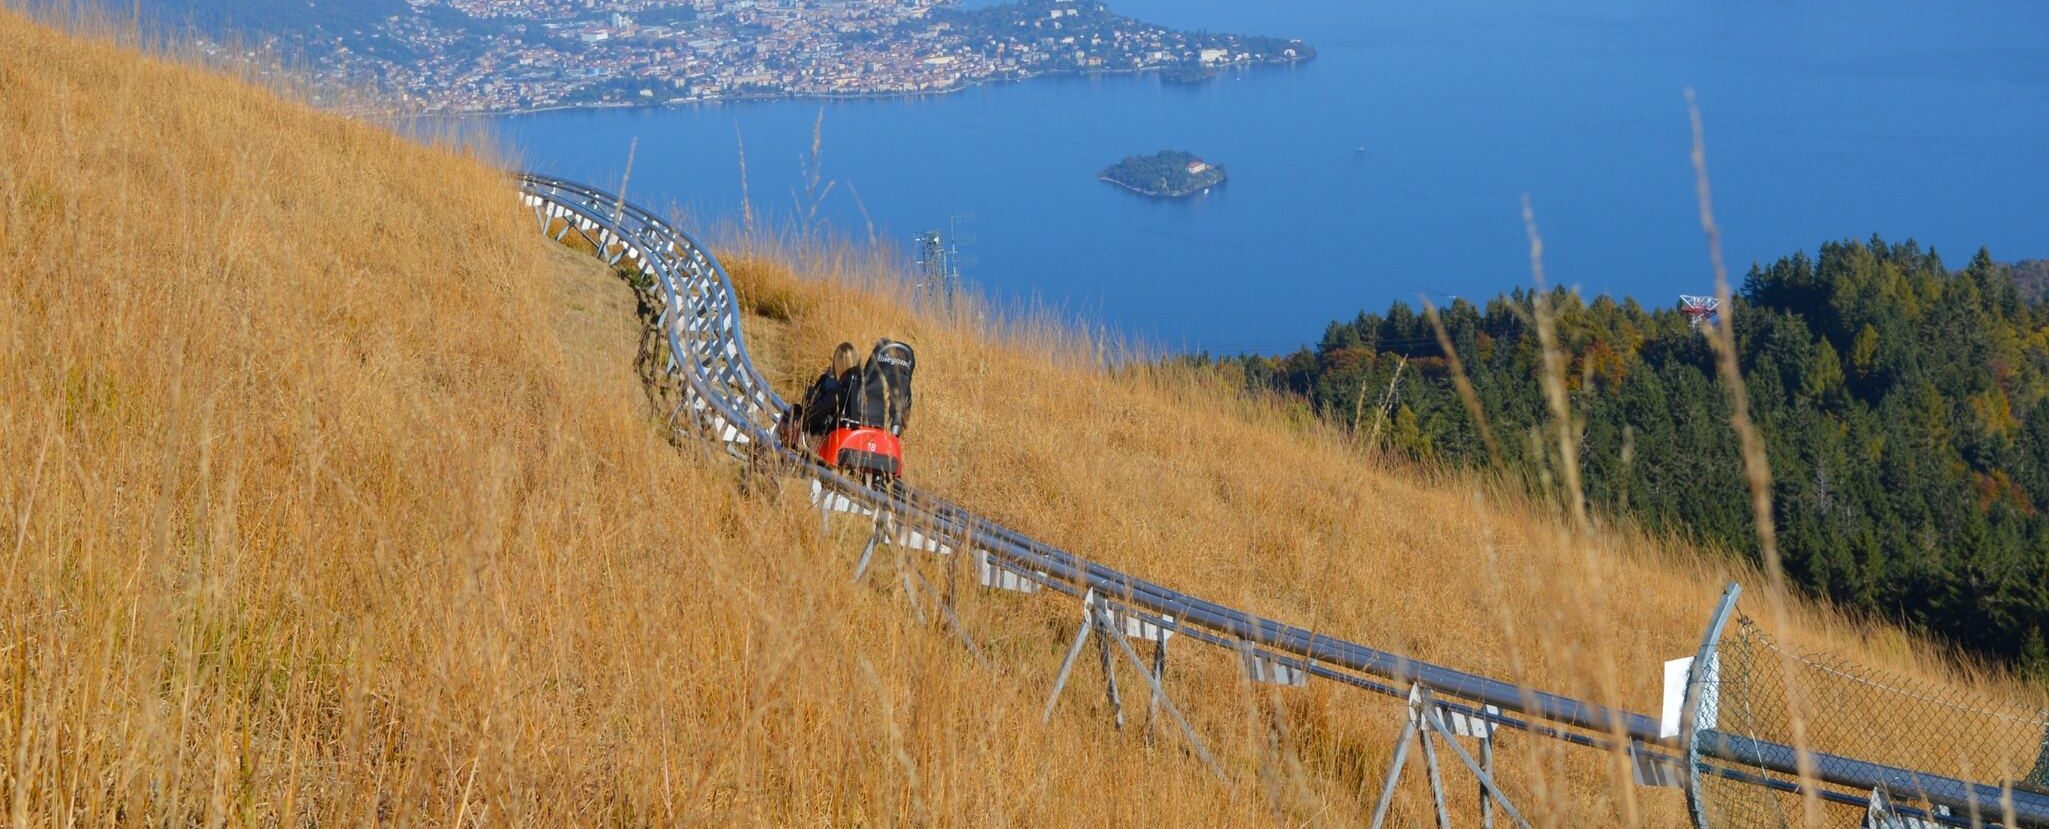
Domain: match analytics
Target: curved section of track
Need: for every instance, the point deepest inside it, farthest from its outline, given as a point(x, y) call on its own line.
point(725, 399)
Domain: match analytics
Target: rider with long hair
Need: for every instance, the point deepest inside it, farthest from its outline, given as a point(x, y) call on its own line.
point(820, 409)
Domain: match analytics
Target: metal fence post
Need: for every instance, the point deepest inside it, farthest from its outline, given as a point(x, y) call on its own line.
point(1696, 697)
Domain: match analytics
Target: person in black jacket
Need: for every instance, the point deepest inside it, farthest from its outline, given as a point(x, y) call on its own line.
point(820, 411)
point(881, 395)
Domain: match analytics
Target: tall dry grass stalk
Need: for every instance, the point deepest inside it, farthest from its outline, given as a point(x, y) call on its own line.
point(1756, 468)
point(1552, 379)
point(1595, 572)
point(816, 186)
point(867, 221)
point(626, 179)
point(1386, 403)
point(746, 202)
point(1463, 383)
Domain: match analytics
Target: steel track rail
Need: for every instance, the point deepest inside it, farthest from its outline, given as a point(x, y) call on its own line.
point(726, 399)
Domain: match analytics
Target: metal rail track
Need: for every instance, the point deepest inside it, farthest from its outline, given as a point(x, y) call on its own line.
point(727, 400)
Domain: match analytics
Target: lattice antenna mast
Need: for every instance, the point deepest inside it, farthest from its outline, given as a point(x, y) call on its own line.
point(932, 264)
point(940, 260)
point(1700, 310)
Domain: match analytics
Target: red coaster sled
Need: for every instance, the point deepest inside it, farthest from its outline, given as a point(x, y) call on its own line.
point(863, 450)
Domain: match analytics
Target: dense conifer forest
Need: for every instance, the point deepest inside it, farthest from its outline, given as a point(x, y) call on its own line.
point(1905, 407)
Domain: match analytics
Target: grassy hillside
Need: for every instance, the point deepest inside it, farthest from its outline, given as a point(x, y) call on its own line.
point(328, 495)
point(323, 506)
point(1171, 472)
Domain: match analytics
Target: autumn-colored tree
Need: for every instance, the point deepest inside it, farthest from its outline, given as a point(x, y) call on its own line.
point(1905, 407)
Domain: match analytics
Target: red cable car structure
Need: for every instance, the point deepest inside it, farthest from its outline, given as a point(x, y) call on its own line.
point(1700, 310)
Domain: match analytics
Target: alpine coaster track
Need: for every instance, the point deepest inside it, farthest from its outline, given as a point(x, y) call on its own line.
point(727, 401)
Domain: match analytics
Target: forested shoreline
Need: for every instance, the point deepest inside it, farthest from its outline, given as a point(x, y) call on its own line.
point(1905, 408)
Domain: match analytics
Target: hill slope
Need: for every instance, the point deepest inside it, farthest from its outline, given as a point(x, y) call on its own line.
point(1905, 405)
point(328, 495)
point(1170, 472)
point(323, 506)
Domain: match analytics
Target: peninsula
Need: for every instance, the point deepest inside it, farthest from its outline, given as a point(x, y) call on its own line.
point(1167, 174)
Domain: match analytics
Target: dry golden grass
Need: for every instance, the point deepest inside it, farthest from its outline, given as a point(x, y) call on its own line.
point(328, 495)
point(323, 506)
point(1174, 475)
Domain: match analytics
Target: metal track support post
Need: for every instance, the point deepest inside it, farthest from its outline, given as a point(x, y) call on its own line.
point(952, 583)
point(888, 532)
point(1167, 704)
point(1394, 773)
point(903, 573)
point(1425, 723)
point(1423, 730)
point(1102, 622)
point(1109, 669)
point(1081, 638)
point(951, 616)
point(1152, 705)
point(879, 536)
point(1487, 769)
point(1485, 775)
point(1093, 623)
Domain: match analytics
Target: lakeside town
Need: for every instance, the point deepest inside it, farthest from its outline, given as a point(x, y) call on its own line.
point(498, 56)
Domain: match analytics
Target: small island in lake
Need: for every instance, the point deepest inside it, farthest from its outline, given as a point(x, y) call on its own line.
point(1168, 174)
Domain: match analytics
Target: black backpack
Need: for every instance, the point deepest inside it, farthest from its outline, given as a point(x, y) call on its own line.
point(880, 395)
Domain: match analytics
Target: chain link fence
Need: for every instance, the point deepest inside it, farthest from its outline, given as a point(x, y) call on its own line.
point(1853, 711)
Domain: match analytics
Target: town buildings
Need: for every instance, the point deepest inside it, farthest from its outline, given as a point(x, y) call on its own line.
point(459, 56)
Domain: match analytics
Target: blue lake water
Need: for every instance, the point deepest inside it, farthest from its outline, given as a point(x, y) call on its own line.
point(1395, 164)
